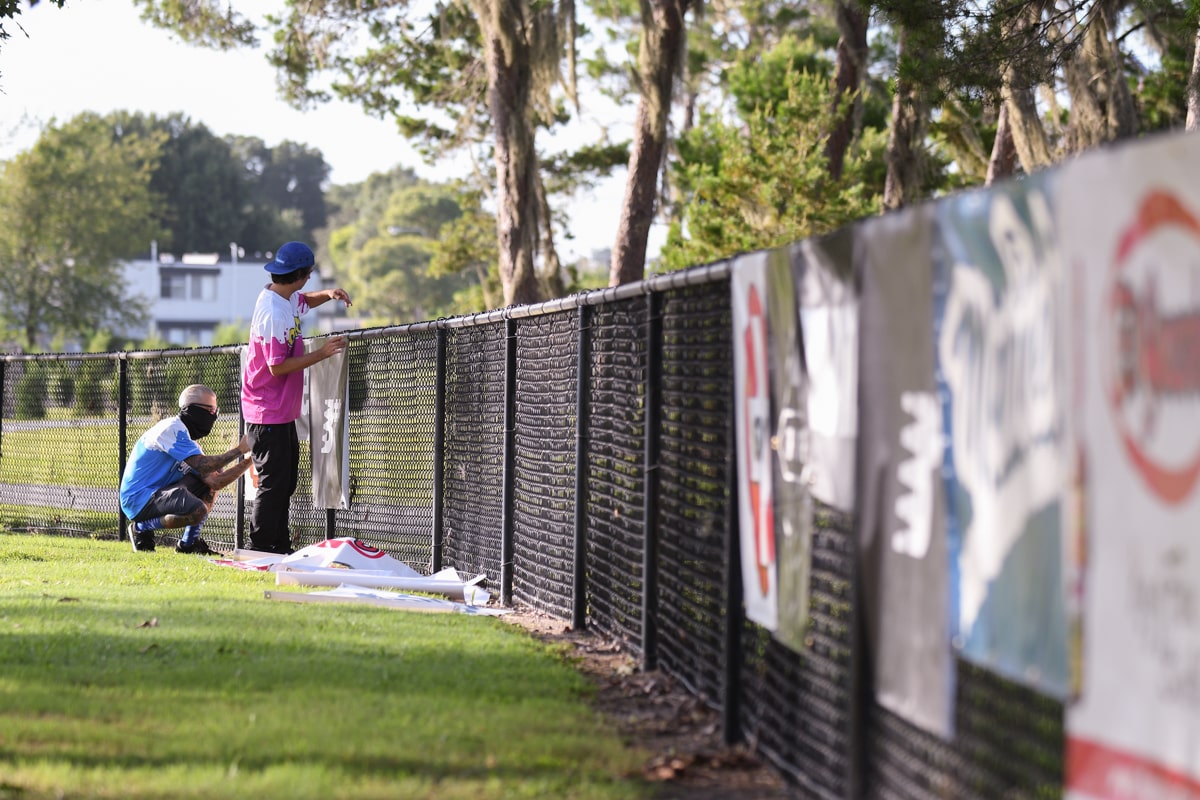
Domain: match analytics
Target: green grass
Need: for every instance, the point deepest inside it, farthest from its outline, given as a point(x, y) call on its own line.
point(81, 455)
point(153, 675)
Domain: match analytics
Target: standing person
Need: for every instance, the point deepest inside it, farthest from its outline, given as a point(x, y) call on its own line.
point(272, 382)
point(169, 482)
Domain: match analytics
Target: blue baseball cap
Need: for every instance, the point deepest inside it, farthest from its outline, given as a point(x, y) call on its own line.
point(289, 258)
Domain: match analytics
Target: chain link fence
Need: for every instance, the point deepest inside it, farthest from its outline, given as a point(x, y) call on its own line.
point(579, 453)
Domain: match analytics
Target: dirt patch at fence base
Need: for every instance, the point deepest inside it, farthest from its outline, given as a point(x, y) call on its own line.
point(688, 758)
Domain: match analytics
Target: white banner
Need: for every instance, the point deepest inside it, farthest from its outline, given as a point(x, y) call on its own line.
point(752, 423)
point(329, 431)
point(1130, 222)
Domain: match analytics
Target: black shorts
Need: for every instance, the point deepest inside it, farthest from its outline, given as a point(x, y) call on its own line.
point(182, 497)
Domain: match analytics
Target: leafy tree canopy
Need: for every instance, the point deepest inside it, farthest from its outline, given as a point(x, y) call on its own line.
point(763, 181)
point(69, 208)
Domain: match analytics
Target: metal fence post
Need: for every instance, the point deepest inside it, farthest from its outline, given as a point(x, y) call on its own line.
point(239, 536)
point(3, 402)
point(510, 461)
point(439, 455)
point(583, 388)
point(122, 432)
point(734, 616)
point(650, 479)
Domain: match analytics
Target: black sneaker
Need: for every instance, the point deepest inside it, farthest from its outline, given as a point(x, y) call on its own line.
point(197, 547)
point(142, 542)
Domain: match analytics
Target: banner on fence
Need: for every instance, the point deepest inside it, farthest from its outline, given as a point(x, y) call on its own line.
point(824, 276)
point(1131, 237)
point(901, 520)
point(1001, 367)
point(772, 435)
point(790, 423)
point(329, 431)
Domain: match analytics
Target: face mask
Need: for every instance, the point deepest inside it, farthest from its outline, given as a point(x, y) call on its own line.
point(198, 420)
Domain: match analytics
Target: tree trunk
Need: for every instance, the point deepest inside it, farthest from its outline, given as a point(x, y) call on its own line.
point(1102, 107)
point(550, 275)
point(1025, 128)
point(1193, 88)
point(1019, 100)
point(851, 66)
point(509, 83)
point(905, 160)
point(1003, 162)
point(662, 46)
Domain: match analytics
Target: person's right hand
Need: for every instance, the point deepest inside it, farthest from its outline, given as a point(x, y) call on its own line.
point(333, 345)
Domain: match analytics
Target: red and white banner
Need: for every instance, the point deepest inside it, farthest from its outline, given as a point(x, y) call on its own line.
point(1130, 223)
point(752, 424)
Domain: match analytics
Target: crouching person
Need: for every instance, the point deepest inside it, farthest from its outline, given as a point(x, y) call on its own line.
point(170, 483)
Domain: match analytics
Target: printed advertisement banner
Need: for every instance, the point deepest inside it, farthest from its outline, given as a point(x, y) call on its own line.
point(901, 524)
point(752, 426)
point(792, 501)
point(774, 501)
point(1001, 369)
point(824, 276)
point(1130, 223)
point(329, 431)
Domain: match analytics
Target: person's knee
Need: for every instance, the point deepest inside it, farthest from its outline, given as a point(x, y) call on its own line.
point(195, 516)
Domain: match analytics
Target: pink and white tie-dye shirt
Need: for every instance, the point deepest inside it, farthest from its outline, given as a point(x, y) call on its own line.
point(274, 336)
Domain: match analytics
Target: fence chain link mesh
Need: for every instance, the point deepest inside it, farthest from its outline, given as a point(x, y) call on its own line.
point(69, 422)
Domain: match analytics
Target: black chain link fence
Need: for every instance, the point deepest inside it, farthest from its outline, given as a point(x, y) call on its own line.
point(579, 454)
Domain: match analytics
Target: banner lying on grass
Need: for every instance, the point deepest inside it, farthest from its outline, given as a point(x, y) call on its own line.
point(378, 597)
point(901, 524)
point(335, 562)
point(1131, 233)
point(1001, 371)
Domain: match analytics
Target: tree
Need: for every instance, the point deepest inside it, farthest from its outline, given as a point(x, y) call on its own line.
point(663, 43)
point(285, 191)
point(763, 180)
point(467, 245)
point(69, 208)
point(484, 74)
point(234, 189)
point(383, 259)
point(197, 178)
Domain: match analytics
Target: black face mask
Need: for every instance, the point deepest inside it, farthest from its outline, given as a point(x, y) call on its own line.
point(198, 420)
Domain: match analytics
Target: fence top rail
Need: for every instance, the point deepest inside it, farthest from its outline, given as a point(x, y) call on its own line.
point(694, 276)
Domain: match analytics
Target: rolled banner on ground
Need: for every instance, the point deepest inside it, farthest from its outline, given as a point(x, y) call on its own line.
point(445, 583)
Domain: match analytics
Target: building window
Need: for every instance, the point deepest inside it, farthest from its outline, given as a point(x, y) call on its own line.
point(174, 286)
point(204, 287)
point(187, 333)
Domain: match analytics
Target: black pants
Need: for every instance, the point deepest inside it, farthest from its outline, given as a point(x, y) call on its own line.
point(186, 495)
point(276, 453)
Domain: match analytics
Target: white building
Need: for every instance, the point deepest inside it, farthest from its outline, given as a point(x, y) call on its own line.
point(189, 296)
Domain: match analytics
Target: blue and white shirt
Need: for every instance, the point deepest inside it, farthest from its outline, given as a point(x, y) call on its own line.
point(156, 461)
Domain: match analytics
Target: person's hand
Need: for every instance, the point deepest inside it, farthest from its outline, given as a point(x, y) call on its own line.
point(244, 445)
point(340, 294)
point(333, 345)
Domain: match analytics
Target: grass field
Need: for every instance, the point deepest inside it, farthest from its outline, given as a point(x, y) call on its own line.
point(155, 675)
point(81, 455)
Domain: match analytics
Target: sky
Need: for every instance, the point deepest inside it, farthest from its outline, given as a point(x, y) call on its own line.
point(97, 55)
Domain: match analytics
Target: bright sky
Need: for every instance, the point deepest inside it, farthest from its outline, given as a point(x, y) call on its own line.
point(97, 55)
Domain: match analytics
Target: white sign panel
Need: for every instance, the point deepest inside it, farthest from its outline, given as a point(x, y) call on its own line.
point(1131, 236)
point(752, 423)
